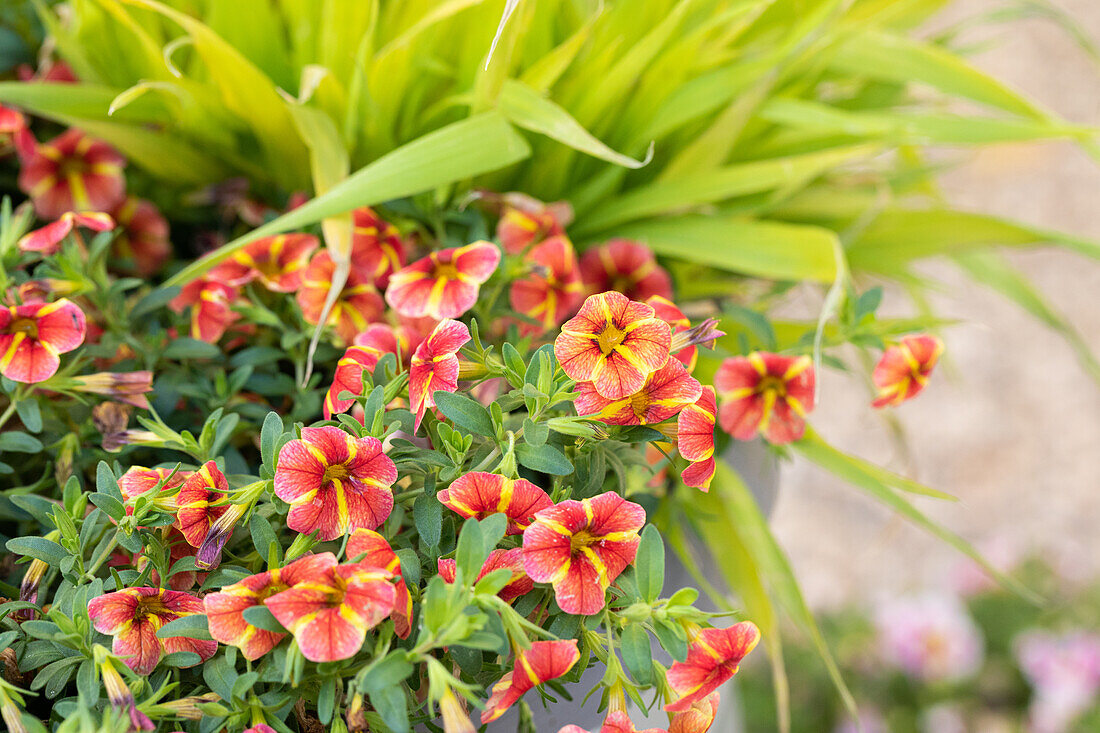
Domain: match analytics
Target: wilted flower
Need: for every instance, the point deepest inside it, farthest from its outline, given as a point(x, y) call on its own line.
point(581, 547)
point(445, 284)
point(48, 239)
point(334, 482)
point(479, 494)
point(210, 299)
point(1064, 672)
point(377, 249)
point(695, 439)
point(713, 658)
point(435, 366)
point(904, 369)
point(613, 342)
point(128, 387)
point(120, 697)
point(356, 307)
point(143, 236)
point(553, 289)
point(544, 661)
point(200, 502)
point(369, 547)
point(72, 172)
point(133, 616)
point(329, 615)
point(929, 637)
point(526, 221)
point(225, 608)
point(665, 392)
point(519, 585)
point(626, 267)
point(33, 335)
point(362, 357)
point(277, 262)
point(765, 393)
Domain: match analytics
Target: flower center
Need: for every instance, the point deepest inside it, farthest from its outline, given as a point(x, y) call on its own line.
point(580, 540)
point(639, 403)
point(268, 266)
point(335, 472)
point(773, 384)
point(71, 167)
point(27, 326)
point(445, 271)
point(149, 606)
point(610, 337)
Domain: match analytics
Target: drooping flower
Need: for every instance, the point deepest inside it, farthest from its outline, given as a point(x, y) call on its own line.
point(581, 547)
point(33, 335)
point(142, 240)
point(435, 365)
point(713, 658)
point(544, 661)
point(277, 262)
point(444, 284)
point(133, 616)
point(329, 615)
point(225, 608)
point(765, 393)
point(904, 369)
point(512, 559)
point(72, 172)
point(479, 494)
point(334, 482)
point(121, 698)
point(526, 221)
point(668, 312)
point(617, 721)
point(695, 439)
point(697, 718)
point(48, 239)
point(613, 342)
point(377, 249)
point(930, 637)
point(128, 387)
point(196, 507)
point(356, 307)
point(626, 267)
point(552, 290)
point(453, 712)
point(367, 546)
point(361, 358)
point(210, 299)
point(665, 392)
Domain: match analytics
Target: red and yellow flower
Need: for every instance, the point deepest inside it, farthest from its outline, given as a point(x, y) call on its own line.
point(133, 616)
point(713, 658)
point(695, 439)
point(613, 342)
point(199, 502)
point(445, 284)
point(765, 393)
point(526, 221)
point(329, 614)
point(617, 721)
point(72, 172)
point(361, 358)
point(369, 547)
point(626, 267)
point(581, 547)
point(435, 365)
point(665, 392)
point(143, 236)
point(544, 661)
point(210, 299)
point(357, 306)
point(48, 239)
point(138, 480)
point(225, 608)
point(277, 262)
point(904, 369)
point(519, 585)
point(552, 290)
point(668, 312)
point(377, 249)
point(478, 494)
point(34, 335)
point(334, 482)
point(697, 718)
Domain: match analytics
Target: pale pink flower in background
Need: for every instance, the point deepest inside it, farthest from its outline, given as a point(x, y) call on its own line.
point(869, 721)
point(930, 637)
point(943, 718)
point(1064, 673)
point(968, 578)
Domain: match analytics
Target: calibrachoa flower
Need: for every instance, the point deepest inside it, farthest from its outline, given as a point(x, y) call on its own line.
point(929, 637)
point(128, 387)
point(552, 290)
point(696, 719)
point(904, 369)
point(133, 616)
point(357, 306)
point(11, 121)
point(526, 221)
point(765, 393)
point(72, 172)
point(196, 510)
point(444, 284)
point(143, 235)
point(668, 312)
point(377, 249)
point(210, 299)
point(138, 480)
point(121, 698)
point(48, 239)
point(362, 357)
point(626, 267)
point(519, 585)
point(581, 547)
point(33, 335)
point(334, 482)
point(713, 658)
point(695, 439)
point(613, 342)
point(454, 715)
point(617, 721)
point(665, 392)
point(479, 494)
point(225, 608)
point(369, 547)
point(329, 615)
point(277, 262)
point(435, 366)
point(544, 661)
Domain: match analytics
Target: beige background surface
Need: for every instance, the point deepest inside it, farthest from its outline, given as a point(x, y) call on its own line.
point(1012, 424)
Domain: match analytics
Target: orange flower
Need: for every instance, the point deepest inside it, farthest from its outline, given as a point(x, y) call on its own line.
point(277, 262)
point(48, 239)
point(519, 585)
point(697, 718)
point(143, 239)
point(544, 661)
point(765, 393)
point(445, 284)
point(665, 392)
point(626, 267)
point(526, 221)
point(613, 342)
point(357, 306)
point(904, 369)
point(377, 249)
point(553, 289)
point(369, 547)
point(210, 299)
point(695, 439)
point(196, 508)
point(713, 658)
point(478, 494)
point(33, 335)
point(72, 172)
point(617, 721)
point(435, 366)
point(361, 358)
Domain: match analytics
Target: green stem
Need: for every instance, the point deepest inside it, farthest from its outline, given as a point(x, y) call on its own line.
point(8, 412)
point(102, 557)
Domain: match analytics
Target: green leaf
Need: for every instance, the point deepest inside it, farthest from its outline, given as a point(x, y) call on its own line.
point(194, 626)
point(465, 412)
point(19, 442)
point(544, 459)
point(152, 301)
point(112, 506)
point(29, 414)
point(39, 548)
point(392, 706)
point(649, 564)
point(262, 618)
point(637, 653)
point(264, 537)
point(471, 553)
point(106, 483)
point(428, 517)
point(185, 347)
point(270, 434)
